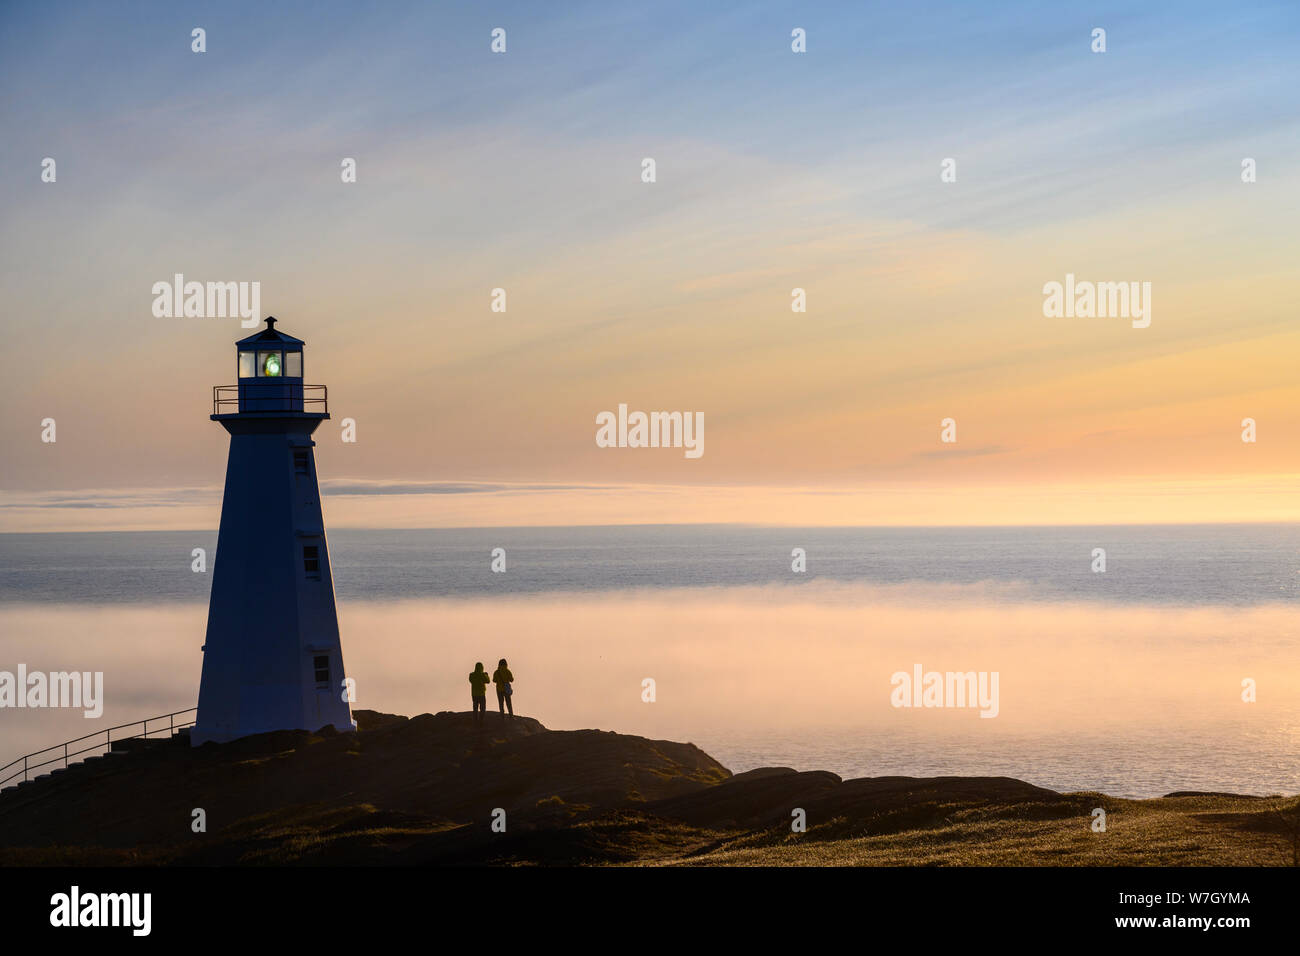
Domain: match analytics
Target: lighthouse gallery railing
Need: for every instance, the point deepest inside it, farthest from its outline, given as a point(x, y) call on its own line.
point(269, 396)
point(42, 758)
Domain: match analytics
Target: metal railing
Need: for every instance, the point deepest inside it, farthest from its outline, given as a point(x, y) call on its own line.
point(62, 753)
point(269, 396)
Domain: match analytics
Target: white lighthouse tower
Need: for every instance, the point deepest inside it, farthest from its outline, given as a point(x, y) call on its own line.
point(272, 659)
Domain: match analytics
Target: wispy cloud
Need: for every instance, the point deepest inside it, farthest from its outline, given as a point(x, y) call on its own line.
point(356, 486)
point(962, 452)
point(110, 498)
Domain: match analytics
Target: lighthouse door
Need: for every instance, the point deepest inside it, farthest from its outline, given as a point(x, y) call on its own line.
point(321, 666)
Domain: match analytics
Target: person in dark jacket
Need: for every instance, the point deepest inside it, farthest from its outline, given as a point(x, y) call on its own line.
point(478, 682)
point(503, 679)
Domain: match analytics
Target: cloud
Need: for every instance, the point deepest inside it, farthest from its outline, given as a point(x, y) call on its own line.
point(963, 452)
point(360, 486)
point(109, 498)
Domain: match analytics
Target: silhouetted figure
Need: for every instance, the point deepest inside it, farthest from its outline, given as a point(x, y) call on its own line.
point(502, 678)
point(478, 682)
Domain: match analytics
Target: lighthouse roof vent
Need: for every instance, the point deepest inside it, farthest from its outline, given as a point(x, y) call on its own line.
point(268, 334)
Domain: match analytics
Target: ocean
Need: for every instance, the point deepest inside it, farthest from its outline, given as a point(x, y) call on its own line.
point(1228, 565)
point(1129, 681)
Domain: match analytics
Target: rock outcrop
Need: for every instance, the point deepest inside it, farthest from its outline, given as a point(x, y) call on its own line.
point(440, 789)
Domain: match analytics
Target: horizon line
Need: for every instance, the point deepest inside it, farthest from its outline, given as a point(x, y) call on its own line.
point(718, 524)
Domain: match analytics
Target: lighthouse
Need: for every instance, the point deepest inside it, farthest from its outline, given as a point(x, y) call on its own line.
point(272, 659)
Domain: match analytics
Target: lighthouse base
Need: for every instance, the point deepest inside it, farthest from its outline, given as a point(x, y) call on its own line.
point(202, 735)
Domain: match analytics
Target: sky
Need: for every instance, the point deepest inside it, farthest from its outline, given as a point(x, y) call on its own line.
point(775, 170)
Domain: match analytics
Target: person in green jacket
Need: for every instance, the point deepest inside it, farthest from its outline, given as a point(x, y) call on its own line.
point(502, 678)
point(478, 682)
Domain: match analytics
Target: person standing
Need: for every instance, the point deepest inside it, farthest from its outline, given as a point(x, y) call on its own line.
point(478, 682)
point(503, 679)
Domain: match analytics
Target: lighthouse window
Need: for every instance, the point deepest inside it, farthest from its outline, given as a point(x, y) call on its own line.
point(247, 364)
point(300, 466)
point(311, 560)
point(268, 364)
point(293, 364)
point(321, 665)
